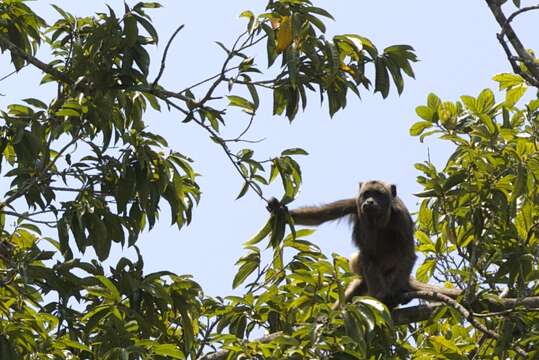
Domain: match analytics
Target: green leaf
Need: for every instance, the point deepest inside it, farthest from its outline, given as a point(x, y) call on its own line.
point(425, 243)
point(147, 26)
point(30, 227)
point(485, 101)
point(20, 110)
point(113, 291)
point(99, 236)
point(426, 194)
point(278, 229)
point(469, 102)
point(36, 102)
point(241, 102)
point(130, 30)
point(168, 350)
point(455, 179)
point(316, 22)
point(433, 101)
point(246, 269)
point(514, 94)
point(507, 80)
point(489, 123)
point(319, 11)
point(419, 127)
point(294, 151)
point(381, 83)
point(299, 234)
point(67, 112)
point(149, 5)
point(142, 58)
point(247, 14)
point(445, 344)
point(254, 95)
point(261, 234)
point(353, 327)
point(243, 190)
point(425, 271)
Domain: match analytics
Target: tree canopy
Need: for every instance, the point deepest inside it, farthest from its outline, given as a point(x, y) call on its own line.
point(86, 164)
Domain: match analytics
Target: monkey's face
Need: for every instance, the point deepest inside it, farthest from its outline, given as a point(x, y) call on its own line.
point(374, 202)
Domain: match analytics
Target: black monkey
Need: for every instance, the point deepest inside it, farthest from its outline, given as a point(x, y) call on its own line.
point(383, 231)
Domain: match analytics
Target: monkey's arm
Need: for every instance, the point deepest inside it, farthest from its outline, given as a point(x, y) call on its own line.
point(316, 215)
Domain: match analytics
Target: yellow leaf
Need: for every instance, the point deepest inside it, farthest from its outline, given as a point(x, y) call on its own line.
point(346, 68)
point(284, 34)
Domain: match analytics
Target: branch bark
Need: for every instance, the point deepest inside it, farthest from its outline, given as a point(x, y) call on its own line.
point(507, 30)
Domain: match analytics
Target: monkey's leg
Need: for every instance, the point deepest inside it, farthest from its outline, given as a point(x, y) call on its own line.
point(355, 263)
point(376, 283)
point(398, 280)
point(357, 287)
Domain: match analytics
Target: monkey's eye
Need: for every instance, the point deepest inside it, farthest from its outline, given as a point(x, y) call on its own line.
point(371, 193)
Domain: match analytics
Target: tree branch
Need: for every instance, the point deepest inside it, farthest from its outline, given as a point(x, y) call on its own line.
point(507, 30)
point(427, 295)
point(164, 58)
point(49, 223)
point(35, 180)
point(35, 61)
point(412, 314)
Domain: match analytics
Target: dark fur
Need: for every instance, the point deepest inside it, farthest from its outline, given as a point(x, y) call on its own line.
point(383, 231)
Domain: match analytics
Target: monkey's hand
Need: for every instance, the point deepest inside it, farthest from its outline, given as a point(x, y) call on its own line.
point(275, 205)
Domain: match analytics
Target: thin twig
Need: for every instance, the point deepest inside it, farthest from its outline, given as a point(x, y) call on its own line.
point(206, 80)
point(503, 312)
point(206, 337)
point(49, 223)
point(34, 61)
point(164, 58)
point(261, 83)
point(245, 141)
point(8, 75)
point(515, 14)
point(227, 151)
point(245, 130)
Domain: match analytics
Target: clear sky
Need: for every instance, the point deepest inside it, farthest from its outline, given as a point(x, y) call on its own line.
point(458, 51)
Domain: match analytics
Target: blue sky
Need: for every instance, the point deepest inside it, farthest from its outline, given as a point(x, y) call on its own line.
point(458, 51)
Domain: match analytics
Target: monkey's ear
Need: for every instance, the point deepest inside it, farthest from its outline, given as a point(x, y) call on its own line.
point(360, 185)
point(393, 190)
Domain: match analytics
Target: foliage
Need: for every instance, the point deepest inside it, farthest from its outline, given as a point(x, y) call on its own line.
point(85, 164)
point(478, 222)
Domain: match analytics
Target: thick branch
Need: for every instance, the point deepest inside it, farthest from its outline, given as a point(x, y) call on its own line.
point(419, 313)
point(507, 30)
point(426, 295)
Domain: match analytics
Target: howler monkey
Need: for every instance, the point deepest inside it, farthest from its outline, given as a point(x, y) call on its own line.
point(383, 231)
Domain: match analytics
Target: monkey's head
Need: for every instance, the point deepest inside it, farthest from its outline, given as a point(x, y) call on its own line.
point(374, 202)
